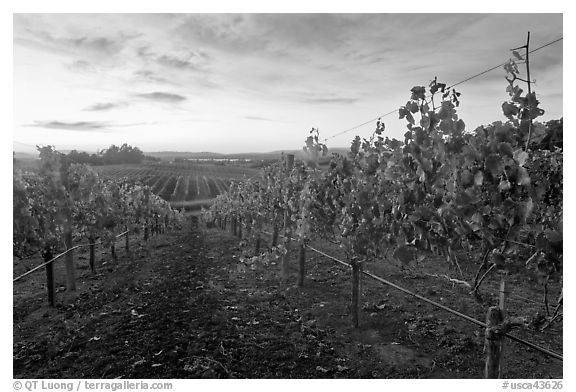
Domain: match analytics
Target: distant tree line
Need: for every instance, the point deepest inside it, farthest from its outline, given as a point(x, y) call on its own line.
point(111, 156)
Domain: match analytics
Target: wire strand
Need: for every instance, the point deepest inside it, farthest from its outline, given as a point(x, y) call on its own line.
point(451, 86)
point(60, 255)
point(452, 311)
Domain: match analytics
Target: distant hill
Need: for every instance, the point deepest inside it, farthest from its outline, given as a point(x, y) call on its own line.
point(23, 148)
point(25, 155)
point(170, 155)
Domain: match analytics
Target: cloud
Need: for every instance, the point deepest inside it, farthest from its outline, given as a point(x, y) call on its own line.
point(97, 44)
point(285, 35)
point(150, 77)
point(175, 62)
point(319, 31)
point(105, 106)
point(330, 100)
point(100, 45)
point(138, 124)
point(162, 97)
point(228, 32)
point(182, 60)
point(81, 66)
point(71, 126)
point(258, 118)
point(94, 126)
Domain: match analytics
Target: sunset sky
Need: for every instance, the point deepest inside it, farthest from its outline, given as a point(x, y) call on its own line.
point(258, 82)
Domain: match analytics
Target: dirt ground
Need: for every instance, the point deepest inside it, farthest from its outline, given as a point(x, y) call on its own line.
point(187, 307)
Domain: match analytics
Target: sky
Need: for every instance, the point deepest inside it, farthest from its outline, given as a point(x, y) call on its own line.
point(258, 82)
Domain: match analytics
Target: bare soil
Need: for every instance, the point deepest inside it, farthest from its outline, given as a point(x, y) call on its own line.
point(186, 307)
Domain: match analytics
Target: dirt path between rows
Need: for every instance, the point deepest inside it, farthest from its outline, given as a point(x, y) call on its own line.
point(172, 314)
point(189, 309)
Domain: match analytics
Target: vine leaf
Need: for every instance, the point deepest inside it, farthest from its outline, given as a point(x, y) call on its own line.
point(418, 92)
point(504, 185)
point(523, 177)
point(506, 148)
point(520, 157)
point(413, 107)
point(517, 55)
point(493, 164)
point(509, 109)
point(525, 210)
point(538, 133)
point(355, 147)
point(479, 178)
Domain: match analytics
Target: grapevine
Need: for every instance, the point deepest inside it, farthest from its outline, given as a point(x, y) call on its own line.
point(443, 189)
point(64, 201)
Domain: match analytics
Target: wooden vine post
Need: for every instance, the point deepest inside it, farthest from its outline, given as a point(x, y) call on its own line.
point(127, 241)
point(274, 233)
point(526, 59)
point(355, 306)
point(49, 275)
point(69, 262)
point(285, 265)
point(113, 253)
point(502, 294)
point(289, 162)
point(494, 339)
point(301, 263)
point(530, 126)
point(493, 343)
